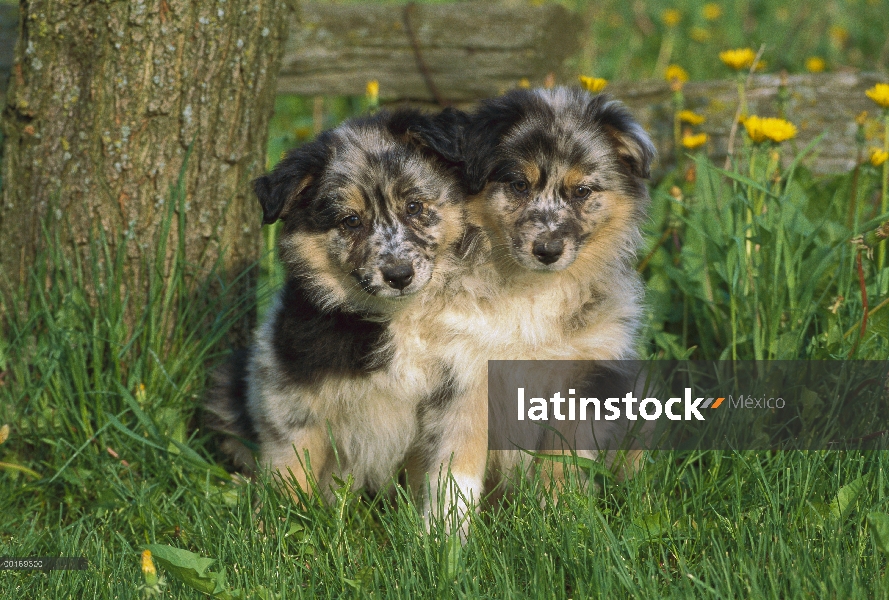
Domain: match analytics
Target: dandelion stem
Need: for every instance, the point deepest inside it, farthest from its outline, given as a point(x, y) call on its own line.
point(884, 205)
point(14, 467)
point(734, 316)
point(853, 194)
point(863, 287)
point(654, 249)
point(776, 273)
point(678, 105)
point(774, 158)
point(742, 108)
point(757, 325)
point(748, 229)
point(685, 309)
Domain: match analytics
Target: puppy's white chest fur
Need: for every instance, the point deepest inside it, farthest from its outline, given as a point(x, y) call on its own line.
point(548, 317)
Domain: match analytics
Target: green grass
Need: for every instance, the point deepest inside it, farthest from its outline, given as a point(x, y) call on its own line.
point(102, 466)
point(105, 453)
point(739, 267)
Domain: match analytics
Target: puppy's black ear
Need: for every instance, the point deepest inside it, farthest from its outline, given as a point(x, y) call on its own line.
point(281, 190)
point(484, 131)
point(632, 142)
point(441, 133)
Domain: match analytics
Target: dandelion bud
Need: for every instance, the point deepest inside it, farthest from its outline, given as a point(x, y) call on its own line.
point(148, 570)
point(878, 156)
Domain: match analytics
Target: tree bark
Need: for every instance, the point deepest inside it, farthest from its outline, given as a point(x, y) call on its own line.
point(107, 99)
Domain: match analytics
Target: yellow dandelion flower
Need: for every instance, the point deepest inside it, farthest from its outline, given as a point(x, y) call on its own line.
point(149, 572)
point(372, 90)
point(861, 119)
point(699, 34)
point(761, 129)
point(671, 17)
point(676, 73)
point(524, 83)
point(753, 125)
point(712, 11)
point(593, 84)
point(879, 94)
point(690, 117)
point(815, 64)
point(738, 59)
point(779, 130)
point(694, 141)
point(878, 156)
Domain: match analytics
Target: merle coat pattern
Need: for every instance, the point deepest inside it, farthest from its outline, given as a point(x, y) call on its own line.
point(374, 226)
point(557, 178)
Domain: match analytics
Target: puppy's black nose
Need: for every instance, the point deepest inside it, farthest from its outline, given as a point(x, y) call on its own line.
point(548, 252)
point(398, 276)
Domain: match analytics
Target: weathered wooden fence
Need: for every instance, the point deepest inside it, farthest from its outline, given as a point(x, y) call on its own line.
point(462, 52)
point(459, 52)
point(823, 104)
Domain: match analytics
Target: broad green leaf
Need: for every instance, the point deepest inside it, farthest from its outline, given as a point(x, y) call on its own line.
point(879, 528)
point(652, 526)
point(363, 578)
point(645, 529)
point(192, 570)
point(846, 498)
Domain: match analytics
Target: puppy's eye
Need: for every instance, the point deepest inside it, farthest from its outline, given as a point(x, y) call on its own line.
point(519, 186)
point(582, 191)
point(352, 221)
point(414, 208)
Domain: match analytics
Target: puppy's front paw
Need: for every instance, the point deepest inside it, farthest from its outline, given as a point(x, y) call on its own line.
point(452, 500)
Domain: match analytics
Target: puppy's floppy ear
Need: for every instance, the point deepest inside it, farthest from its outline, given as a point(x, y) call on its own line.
point(486, 128)
point(281, 190)
point(632, 142)
point(441, 133)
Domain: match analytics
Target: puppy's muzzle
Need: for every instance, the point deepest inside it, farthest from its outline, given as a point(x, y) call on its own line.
point(398, 276)
point(547, 251)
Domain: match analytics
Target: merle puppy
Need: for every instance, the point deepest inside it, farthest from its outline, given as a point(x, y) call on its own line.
point(374, 230)
point(557, 183)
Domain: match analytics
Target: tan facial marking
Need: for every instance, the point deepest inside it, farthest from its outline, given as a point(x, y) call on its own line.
point(574, 177)
point(531, 172)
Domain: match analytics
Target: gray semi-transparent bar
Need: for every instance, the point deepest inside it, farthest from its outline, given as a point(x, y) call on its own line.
point(44, 563)
point(541, 406)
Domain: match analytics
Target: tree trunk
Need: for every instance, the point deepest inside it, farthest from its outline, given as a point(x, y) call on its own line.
point(107, 99)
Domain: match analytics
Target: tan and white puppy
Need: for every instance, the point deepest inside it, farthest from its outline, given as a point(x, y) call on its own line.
point(558, 183)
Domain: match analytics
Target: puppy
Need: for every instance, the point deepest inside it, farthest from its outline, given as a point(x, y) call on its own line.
point(374, 226)
point(557, 178)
